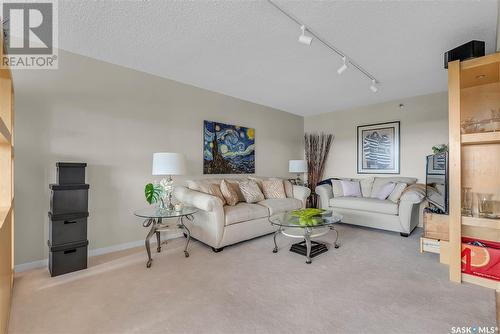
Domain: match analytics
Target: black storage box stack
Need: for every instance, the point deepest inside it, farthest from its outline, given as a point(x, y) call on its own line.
point(68, 219)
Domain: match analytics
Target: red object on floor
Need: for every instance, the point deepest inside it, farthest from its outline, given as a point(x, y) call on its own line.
point(481, 260)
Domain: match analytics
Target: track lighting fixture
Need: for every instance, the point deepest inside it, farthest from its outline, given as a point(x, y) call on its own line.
point(303, 38)
point(343, 67)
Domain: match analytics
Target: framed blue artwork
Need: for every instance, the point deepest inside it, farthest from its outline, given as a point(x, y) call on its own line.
point(228, 149)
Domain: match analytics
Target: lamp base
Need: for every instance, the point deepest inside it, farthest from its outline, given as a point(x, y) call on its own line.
point(298, 180)
point(168, 189)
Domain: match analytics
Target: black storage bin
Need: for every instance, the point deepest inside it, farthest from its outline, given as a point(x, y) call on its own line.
point(66, 199)
point(70, 173)
point(67, 258)
point(68, 228)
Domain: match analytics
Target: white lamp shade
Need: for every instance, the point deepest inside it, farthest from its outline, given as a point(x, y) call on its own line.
point(297, 166)
point(168, 164)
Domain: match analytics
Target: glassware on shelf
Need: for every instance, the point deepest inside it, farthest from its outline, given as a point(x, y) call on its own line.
point(467, 201)
point(484, 205)
point(491, 124)
point(469, 125)
point(495, 120)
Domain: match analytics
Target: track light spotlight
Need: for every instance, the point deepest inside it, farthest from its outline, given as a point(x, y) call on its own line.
point(373, 86)
point(303, 38)
point(343, 67)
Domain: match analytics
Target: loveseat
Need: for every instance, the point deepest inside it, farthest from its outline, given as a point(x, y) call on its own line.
point(219, 225)
point(401, 214)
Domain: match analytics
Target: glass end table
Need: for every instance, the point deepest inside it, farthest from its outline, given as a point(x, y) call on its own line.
point(154, 217)
point(294, 227)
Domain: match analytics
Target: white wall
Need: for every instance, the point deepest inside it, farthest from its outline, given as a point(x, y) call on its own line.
point(498, 27)
point(114, 118)
point(424, 123)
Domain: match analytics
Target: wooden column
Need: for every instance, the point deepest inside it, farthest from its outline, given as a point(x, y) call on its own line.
point(455, 183)
point(6, 192)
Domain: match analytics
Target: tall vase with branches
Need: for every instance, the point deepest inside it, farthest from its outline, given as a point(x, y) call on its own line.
point(317, 147)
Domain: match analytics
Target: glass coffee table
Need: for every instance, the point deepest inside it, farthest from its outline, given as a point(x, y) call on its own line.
point(154, 217)
point(306, 229)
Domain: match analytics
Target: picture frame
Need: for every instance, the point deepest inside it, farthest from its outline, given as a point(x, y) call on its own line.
point(437, 164)
point(228, 148)
point(378, 148)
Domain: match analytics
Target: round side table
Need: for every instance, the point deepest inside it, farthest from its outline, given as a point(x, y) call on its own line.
point(154, 217)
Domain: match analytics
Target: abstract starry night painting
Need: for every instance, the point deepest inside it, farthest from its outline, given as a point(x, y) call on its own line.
point(228, 149)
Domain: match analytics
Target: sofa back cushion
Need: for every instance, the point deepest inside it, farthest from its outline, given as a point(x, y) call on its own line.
point(381, 181)
point(366, 186)
point(337, 187)
point(273, 189)
point(202, 185)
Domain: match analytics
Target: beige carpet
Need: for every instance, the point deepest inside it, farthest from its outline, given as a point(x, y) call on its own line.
point(377, 282)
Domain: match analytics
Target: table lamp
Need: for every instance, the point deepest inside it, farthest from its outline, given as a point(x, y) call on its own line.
point(299, 167)
point(168, 164)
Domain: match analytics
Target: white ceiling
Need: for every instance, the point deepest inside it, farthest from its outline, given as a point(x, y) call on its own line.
point(249, 50)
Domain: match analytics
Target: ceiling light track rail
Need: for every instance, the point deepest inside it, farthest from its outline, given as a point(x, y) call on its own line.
point(347, 59)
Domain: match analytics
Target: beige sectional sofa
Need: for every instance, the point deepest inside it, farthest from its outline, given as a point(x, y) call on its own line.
point(220, 225)
point(400, 216)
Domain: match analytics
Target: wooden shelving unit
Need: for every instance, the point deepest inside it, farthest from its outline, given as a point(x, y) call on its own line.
point(485, 282)
point(474, 90)
point(6, 191)
point(481, 222)
point(481, 138)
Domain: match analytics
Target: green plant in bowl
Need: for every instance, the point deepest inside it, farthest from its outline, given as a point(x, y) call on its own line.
point(308, 217)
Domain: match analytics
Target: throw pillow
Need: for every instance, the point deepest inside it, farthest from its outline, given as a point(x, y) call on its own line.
point(386, 190)
point(288, 188)
point(337, 188)
point(251, 191)
point(230, 195)
point(235, 184)
point(214, 189)
point(325, 181)
point(397, 192)
point(258, 180)
point(351, 188)
point(366, 186)
point(273, 189)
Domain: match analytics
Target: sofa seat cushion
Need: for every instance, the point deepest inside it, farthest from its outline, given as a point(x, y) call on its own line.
point(365, 204)
point(242, 212)
point(277, 205)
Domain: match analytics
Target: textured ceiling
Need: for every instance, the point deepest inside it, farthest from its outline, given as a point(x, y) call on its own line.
point(249, 50)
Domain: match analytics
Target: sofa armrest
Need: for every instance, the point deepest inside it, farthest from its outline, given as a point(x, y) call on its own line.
point(199, 200)
point(209, 222)
point(301, 193)
point(414, 194)
point(409, 207)
point(325, 193)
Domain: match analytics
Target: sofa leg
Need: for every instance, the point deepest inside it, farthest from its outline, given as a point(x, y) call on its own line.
point(404, 234)
point(217, 250)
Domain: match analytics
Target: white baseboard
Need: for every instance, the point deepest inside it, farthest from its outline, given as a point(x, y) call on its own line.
point(95, 252)
point(31, 265)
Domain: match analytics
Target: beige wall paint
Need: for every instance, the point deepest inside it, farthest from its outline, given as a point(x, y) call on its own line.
point(498, 27)
point(114, 118)
point(424, 123)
